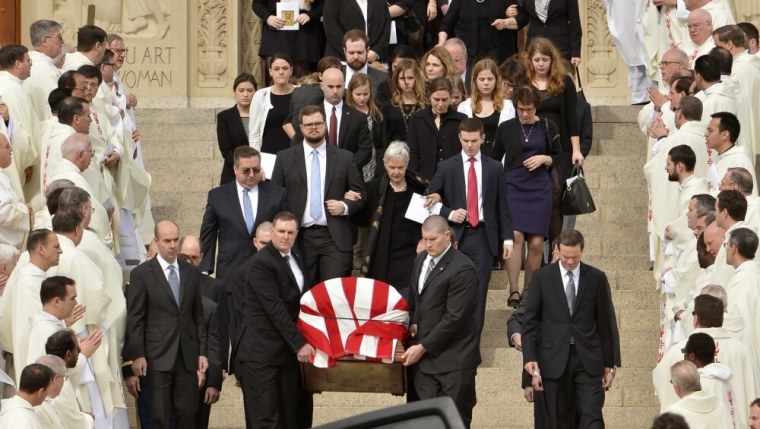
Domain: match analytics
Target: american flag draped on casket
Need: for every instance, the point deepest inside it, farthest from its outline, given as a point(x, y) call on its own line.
point(353, 316)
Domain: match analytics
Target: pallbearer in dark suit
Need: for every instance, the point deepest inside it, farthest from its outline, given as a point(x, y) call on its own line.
point(270, 345)
point(317, 176)
point(472, 189)
point(233, 212)
point(167, 331)
point(444, 294)
point(569, 337)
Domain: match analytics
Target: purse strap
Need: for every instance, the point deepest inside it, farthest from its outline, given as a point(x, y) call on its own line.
point(578, 79)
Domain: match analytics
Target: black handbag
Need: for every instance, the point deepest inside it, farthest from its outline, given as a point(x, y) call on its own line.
point(577, 197)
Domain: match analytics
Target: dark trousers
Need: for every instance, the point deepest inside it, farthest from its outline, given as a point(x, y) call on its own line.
point(575, 400)
point(474, 244)
point(322, 259)
point(203, 412)
point(172, 392)
point(458, 385)
point(273, 396)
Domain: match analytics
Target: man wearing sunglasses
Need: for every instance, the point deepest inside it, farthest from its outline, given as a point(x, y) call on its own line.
point(233, 212)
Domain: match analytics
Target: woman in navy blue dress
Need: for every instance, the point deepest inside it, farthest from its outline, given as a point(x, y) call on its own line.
point(530, 147)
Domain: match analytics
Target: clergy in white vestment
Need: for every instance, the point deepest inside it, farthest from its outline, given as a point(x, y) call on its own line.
point(699, 40)
point(99, 388)
point(64, 345)
point(739, 356)
point(15, 67)
point(46, 413)
point(730, 209)
point(732, 322)
point(91, 44)
point(715, 96)
point(15, 217)
point(670, 34)
point(740, 179)
point(721, 272)
point(719, 10)
point(745, 75)
point(58, 295)
point(721, 136)
point(750, 31)
point(743, 291)
point(625, 20)
point(47, 40)
point(8, 259)
point(700, 409)
point(21, 297)
point(77, 153)
point(73, 117)
point(18, 411)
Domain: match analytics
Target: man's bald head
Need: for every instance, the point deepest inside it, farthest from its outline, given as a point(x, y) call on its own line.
point(78, 149)
point(190, 246)
point(716, 291)
point(700, 26)
point(263, 235)
point(714, 236)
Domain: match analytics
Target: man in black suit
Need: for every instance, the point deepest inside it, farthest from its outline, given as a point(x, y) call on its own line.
point(319, 201)
point(271, 346)
point(340, 16)
point(233, 212)
point(443, 297)
point(474, 196)
point(569, 313)
point(346, 127)
point(167, 330)
point(355, 50)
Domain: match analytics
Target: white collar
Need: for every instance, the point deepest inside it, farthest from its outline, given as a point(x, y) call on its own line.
point(164, 264)
point(576, 271)
point(240, 187)
point(321, 149)
point(466, 158)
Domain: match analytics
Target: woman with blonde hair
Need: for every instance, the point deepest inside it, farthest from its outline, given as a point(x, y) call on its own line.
point(559, 104)
point(407, 97)
point(487, 101)
point(437, 63)
point(360, 96)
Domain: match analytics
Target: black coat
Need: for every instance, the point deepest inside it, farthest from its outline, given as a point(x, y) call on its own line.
point(562, 26)
point(230, 133)
point(340, 16)
point(427, 144)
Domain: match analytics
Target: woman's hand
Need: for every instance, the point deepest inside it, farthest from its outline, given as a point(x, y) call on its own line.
point(303, 19)
point(432, 10)
point(534, 162)
point(275, 22)
point(512, 11)
point(577, 158)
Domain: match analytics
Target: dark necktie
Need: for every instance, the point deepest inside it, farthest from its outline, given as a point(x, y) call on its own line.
point(570, 291)
point(333, 128)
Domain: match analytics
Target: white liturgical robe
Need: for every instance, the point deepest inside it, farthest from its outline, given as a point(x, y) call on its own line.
point(42, 80)
point(17, 413)
point(702, 410)
point(745, 75)
point(743, 293)
point(69, 409)
point(42, 325)
point(14, 214)
point(715, 378)
point(733, 157)
point(47, 416)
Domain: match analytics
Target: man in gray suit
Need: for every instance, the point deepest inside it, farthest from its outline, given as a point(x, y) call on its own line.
point(443, 298)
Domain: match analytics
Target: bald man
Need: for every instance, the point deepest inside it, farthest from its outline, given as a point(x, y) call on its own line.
point(190, 246)
point(699, 39)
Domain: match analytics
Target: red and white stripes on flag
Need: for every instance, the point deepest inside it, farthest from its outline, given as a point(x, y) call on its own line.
point(353, 316)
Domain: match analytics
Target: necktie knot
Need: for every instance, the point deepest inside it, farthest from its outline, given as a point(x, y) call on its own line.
point(472, 159)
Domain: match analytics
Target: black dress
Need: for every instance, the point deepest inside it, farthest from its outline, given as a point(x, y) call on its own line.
point(274, 138)
point(305, 44)
point(397, 121)
point(561, 109)
point(490, 124)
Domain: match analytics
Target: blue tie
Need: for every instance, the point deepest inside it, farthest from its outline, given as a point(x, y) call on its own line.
point(247, 211)
point(315, 196)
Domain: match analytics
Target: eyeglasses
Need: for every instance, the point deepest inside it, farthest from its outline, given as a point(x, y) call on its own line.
point(665, 63)
point(528, 110)
point(88, 85)
point(313, 125)
point(58, 37)
point(121, 51)
point(248, 171)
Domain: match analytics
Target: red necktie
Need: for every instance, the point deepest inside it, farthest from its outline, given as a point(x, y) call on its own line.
point(473, 214)
point(333, 128)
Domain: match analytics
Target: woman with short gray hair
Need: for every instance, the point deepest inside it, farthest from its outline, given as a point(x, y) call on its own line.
point(392, 238)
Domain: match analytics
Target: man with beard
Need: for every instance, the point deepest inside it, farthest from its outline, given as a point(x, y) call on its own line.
point(355, 44)
point(317, 177)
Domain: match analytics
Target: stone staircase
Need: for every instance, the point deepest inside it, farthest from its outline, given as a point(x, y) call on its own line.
point(182, 155)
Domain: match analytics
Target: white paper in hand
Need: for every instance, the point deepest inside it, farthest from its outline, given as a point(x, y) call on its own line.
point(417, 210)
point(267, 163)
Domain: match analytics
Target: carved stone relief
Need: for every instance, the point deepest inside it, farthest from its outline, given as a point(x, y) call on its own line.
point(147, 19)
point(212, 43)
point(602, 57)
point(250, 40)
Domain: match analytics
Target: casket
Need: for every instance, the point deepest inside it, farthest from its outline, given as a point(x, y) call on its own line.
point(355, 375)
point(356, 326)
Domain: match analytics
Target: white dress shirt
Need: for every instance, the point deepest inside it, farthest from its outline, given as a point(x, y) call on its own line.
point(363, 6)
point(297, 273)
point(425, 265)
point(165, 267)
